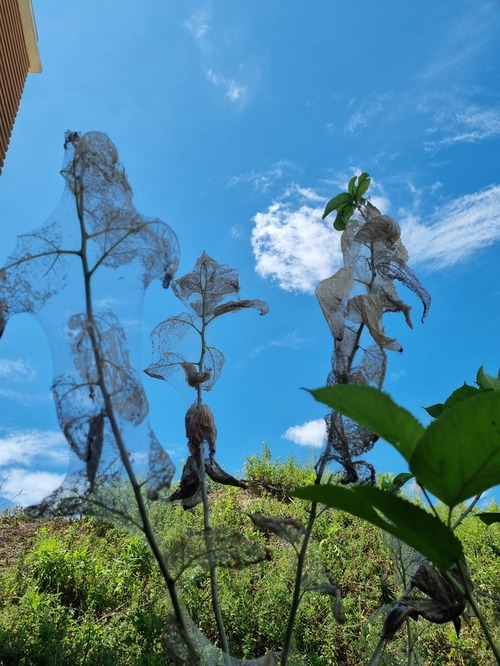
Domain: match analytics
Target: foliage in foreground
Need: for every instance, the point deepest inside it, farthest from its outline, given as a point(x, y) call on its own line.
point(87, 593)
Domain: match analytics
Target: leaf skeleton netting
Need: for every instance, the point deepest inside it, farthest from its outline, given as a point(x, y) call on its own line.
point(354, 301)
point(83, 274)
point(180, 349)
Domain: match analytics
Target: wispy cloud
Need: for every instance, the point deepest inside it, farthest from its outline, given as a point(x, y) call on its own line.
point(16, 369)
point(234, 91)
point(23, 397)
point(462, 41)
point(367, 110)
point(311, 433)
point(456, 231)
point(27, 487)
point(198, 24)
point(292, 340)
point(466, 124)
point(30, 447)
point(262, 181)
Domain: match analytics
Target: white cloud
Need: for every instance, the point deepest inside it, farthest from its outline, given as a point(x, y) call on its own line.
point(234, 91)
point(464, 125)
point(25, 487)
point(291, 340)
point(24, 398)
point(367, 110)
point(16, 369)
point(198, 25)
point(262, 181)
point(311, 433)
point(25, 447)
point(455, 231)
point(295, 247)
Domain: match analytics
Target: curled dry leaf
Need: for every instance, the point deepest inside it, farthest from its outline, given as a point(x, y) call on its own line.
point(332, 295)
point(193, 377)
point(216, 473)
point(189, 487)
point(442, 604)
point(368, 309)
point(235, 306)
point(200, 427)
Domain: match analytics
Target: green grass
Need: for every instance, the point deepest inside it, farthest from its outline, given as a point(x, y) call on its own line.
point(86, 593)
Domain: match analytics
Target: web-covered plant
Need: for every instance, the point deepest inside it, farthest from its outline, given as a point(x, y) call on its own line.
point(83, 275)
point(354, 301)
point(180, 346)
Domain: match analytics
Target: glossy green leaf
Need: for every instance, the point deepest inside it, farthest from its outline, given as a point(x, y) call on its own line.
point(340, 200)
point(376, 411)
point(363, 184)
point(343, 217)
point(486, 381)
point(489, 517)
point(406, 521)
point(459, 454)
point(351, 187)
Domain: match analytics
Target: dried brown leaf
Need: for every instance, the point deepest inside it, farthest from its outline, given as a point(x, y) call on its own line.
point(332, 295)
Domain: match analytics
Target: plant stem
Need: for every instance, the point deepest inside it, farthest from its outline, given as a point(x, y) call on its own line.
point(472, 601)
point(115, 428)
point(214, 588)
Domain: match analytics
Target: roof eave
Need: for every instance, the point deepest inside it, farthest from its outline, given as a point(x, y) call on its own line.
point(30, 35)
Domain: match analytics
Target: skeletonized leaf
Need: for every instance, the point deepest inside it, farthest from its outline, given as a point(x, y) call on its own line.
point(285, 527)
point(376, 411)
point(368, 309)
point(208, 284)
point(161, 469)
point(332, 295)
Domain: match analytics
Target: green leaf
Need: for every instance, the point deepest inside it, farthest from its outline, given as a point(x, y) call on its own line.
point(344, 214)
point(489, 517)
point(406, 521)
point(340, 200)
point(459, 454)
point(462, 393)
point(376, 411)
point(485, 381)
point(435, 410)
point(363, 184)
point(351, 187)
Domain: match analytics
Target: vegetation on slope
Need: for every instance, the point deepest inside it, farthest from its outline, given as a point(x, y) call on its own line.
point(84, 592)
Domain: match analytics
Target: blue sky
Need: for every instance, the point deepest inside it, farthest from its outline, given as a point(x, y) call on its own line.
point(236, 122)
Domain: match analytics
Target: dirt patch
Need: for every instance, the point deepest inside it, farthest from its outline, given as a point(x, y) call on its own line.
point(17, 533)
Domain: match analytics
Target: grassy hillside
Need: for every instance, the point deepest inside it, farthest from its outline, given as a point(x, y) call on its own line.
point(83, 592)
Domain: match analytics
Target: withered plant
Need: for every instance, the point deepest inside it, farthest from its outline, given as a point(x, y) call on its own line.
point(180, 346)
point(354, 301)
point(83, 274)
